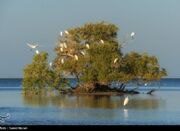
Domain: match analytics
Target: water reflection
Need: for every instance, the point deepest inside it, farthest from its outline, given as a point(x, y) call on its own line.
point(94, 101)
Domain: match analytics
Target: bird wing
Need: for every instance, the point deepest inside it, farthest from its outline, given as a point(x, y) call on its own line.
point(29, 45)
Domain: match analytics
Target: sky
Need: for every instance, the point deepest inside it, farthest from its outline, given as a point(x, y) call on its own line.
point(156, 23)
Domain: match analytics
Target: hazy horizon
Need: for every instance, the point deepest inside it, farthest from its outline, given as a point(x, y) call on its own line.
point(156, 24)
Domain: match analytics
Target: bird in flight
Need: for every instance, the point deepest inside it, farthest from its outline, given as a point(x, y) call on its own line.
point(132, 35)
point(33, 46)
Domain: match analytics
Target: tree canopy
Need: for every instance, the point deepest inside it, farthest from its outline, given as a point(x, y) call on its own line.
point(92, 54)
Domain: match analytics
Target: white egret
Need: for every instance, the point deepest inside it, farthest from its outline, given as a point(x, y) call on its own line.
point(62, 61)
point(32, 46)
point(50, 64)
point(61, 45)
point(61, 49)
point(82, 52)
point(132, 35)
point(37, 52)
point(65, 45)
point(66, 32)
point(115, 60)
point(145, 84)
point(102, 41)
point(76, 57)
point(61, 33)
point(87, 45)
point(126, 100)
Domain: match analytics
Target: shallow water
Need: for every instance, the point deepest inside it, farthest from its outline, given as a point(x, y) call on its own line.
point(162, 108)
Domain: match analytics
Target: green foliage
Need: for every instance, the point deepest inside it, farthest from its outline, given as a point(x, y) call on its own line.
point(39, 77)
point(142, 67)
point(92, 54)
point(97, 66)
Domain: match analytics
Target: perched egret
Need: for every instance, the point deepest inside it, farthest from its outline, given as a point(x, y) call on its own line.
point(61, 33)
point(102, 41)
point(61, 49)
point(145, 84)
point(115, 60)
point(65, 45)
point(50, 64)
point(126, 100)
point(37, 52)
point(66, 32)
point(132, 35)
point(61, 45)
point(32, 46)
point(76, 57)
point(87, 45)
point(82, 52)
point(62, 61)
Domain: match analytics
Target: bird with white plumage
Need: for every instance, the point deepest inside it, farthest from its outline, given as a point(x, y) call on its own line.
point(126, 100)
point(115, 60)
point(62, 61)
point(102, 41)
point(82, 52)
point(37, 52)
point(87, 46)
point(65, 45)
point(33, 46)
point(132, 35)
point(76, 57)
point(66, 32)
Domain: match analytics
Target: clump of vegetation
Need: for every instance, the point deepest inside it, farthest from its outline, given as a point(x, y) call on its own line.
point(91, 54)
point(39, 77)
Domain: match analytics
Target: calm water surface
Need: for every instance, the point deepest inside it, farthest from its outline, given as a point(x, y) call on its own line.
point(161, 108)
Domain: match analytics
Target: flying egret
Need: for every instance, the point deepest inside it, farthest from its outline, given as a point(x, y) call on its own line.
point(62, 61)
point(115, 60)
point(65, 45)
point(61, 49)
point(66, 32)
point(132, 35)
point(126, 100)
point(61, 33)
point(102, 41)
point(87, 45)
point(32, 46)
point(76, 57)
point(37, 52)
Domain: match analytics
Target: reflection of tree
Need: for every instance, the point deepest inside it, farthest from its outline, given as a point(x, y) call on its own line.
point(93, 101)
point(35, 100)
point(146, 103)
